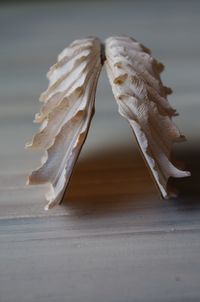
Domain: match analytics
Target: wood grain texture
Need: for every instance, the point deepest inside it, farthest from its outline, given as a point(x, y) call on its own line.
point(113, 238)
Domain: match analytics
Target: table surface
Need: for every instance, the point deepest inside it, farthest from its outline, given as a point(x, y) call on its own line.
point(113, 238)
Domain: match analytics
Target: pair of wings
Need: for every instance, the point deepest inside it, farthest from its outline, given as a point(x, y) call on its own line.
point(68, 107)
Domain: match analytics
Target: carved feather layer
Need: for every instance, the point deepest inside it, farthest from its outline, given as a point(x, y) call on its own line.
point(142, 99)
point(68, 106)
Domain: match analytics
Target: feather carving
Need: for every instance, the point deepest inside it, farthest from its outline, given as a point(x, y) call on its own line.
point(68, 106)
point(67, 109)
point(142, 99)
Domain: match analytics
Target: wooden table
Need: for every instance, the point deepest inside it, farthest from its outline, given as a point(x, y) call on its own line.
point(113, 238)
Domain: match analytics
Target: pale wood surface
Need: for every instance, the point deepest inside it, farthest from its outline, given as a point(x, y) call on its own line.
point(113, 238)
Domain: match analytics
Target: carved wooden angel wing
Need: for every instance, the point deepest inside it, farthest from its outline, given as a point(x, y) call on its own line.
point(67, 109)
point(142, 99)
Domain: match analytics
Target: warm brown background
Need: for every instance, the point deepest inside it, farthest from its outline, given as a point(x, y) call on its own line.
point(113, 239)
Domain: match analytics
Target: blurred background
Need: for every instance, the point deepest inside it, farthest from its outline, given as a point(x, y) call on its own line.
point(111, 189)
